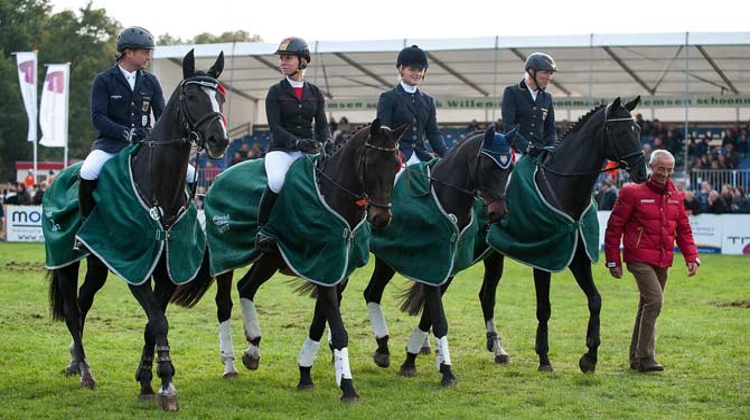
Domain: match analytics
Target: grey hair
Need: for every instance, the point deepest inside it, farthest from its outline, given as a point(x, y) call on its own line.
point(656, 154)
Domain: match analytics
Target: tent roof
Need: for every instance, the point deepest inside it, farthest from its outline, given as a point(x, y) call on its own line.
point(594, 65)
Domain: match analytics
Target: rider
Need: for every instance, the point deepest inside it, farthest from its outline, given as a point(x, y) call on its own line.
point(291, 107)
point(528, 105)
point(405, 103)
point(122, 99)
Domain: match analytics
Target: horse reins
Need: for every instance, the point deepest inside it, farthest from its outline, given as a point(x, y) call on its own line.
point(362, 200)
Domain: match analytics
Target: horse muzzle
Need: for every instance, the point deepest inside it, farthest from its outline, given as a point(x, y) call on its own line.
point(378, 217)
point(496, 211)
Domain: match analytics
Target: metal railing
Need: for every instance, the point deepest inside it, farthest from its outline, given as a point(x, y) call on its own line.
point(719, 177)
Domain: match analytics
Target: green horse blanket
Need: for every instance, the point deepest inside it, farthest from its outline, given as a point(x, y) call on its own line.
point(316, 243)
point(121, 230)
point(423, 242)
point(537, 234)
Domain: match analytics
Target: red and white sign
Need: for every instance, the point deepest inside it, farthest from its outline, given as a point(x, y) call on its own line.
point(27, 79)
point(53, 113)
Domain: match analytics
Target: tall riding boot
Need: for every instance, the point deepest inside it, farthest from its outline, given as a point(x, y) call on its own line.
point(265, 243)
point(86, 202)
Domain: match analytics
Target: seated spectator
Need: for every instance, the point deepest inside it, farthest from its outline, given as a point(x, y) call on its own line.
point(702, 147)
point(726, 193)
point(39, 193)
point(472, 127)
point(23, 198)
point(692, 204)
point(236, 158)
point(499, 125)
point(732, 158)
point(742, 144)
point(606, 196)
point(739, 202)
point(730, 137)
point(659, 144)
point(702, 195)
point(716, 204)
point(658, 129)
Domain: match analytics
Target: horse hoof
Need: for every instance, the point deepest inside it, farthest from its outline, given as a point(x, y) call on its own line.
point(250, 362)
point(449, 381)
point(425, 350)
point(231, 375)
point(305, 386)
point(545, 368)
point(88, 382)
point(168, 402)
point(586, 364)
point(502, 359)
point(71, 370)
point(382, 359)
point(351, 399)
point(147, 399)
point(408, 371)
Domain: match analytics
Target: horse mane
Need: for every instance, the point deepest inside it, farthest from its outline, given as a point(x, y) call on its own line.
point(578, 124)
point(339, 144)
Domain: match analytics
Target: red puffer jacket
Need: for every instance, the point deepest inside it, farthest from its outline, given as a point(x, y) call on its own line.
point(648, 217)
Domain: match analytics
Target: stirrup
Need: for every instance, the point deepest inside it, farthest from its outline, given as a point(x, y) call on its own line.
point(79, 246)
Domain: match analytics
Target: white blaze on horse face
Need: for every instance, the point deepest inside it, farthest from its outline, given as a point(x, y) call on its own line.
point(215, 105)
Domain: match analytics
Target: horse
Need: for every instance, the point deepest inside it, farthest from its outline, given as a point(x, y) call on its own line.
point(473, 173)
point(193, 116)
point(355, 182)
point(565, 179)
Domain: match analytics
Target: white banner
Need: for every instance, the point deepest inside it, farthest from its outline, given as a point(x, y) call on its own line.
point(26, 62)
point(53, 113)
point(23, 224)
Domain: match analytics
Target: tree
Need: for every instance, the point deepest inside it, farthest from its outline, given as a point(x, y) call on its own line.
point(236, 36)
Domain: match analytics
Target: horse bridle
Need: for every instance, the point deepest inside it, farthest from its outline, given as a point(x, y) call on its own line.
point(362, 200)
point(621, 160)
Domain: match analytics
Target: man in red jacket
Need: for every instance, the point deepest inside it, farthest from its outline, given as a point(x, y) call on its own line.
point(648, 217)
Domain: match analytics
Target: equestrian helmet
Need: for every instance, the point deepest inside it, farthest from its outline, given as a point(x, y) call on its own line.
point(541, 61)
point(294, 46)
point(412, 56)
point(135, 38)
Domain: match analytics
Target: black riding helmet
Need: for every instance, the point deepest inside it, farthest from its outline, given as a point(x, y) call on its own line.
point(295, 46)
point(135, 38)
point(540, 61)
point(412, 56)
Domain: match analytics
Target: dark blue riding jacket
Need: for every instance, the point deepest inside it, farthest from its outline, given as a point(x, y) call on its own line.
point(116, 109)
point(536, 119)
point(397, 106)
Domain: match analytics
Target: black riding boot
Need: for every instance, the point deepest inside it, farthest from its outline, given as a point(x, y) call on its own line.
point(265, 243)
point(86, 201)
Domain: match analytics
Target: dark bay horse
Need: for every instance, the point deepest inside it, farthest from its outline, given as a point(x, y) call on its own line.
point(566, 178)
point(357, 178)
point(478, 168)
point(192, 116)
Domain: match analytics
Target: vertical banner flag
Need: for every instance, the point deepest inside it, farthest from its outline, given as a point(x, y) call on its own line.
point(53, 112)
point(27, 79)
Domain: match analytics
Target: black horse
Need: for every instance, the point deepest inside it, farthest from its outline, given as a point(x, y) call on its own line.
point(480, 165)
point(357, 177)
point(192, 116)
point(566, 178)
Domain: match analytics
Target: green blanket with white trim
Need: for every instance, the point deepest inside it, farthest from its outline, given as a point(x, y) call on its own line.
point(316, 243)
point(423, 242)
point(120, 230)
point(537, 234)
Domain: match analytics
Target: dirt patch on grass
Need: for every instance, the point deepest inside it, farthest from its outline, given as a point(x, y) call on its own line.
point(734, 304)
point(23, 266)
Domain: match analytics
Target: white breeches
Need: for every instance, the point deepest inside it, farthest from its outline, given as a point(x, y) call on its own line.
point(94, 162)
point(277, 164)
point(413, 160)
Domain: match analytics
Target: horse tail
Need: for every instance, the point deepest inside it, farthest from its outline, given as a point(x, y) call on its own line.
point(412, 300)
point(303, 287)
point(188, 295)
point(56, 297)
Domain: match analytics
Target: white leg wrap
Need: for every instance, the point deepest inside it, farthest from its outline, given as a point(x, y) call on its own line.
point(343, 371)
point(308, 353)
point(225, 342)
point(414, 345)
point(377, 320)
point(330, 336)
point(426, 342)
point(491, 326)
point(443, 353)
point(250, 318)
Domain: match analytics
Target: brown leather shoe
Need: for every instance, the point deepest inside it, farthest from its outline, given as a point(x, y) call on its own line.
point(649, 365)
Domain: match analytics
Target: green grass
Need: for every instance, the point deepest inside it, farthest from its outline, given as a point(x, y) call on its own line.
point(703, 343)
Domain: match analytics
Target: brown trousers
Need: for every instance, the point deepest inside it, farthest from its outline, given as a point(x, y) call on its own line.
point(651, 283)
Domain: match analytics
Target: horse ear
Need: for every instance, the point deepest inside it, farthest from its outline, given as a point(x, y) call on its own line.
point(632, 104)
point(375, 127)
point(188, 65)
point(489, 135)
point(615, 104)
point(400, 130)
point(510, 136)
point(218, 67)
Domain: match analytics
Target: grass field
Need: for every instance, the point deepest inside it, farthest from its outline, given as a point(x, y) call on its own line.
point(703, 343)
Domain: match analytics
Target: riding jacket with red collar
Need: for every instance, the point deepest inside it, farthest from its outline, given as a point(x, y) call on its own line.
point(648, 218)
point(291, 118)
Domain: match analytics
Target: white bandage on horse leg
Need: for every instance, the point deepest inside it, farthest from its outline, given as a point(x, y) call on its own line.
point(225, 342)
point(491, 329)
point(341, 358)
point(443, 353)
point(377, 320)
point(414, 345)
point(330, 337)
point(250, 319)
point(308, 353)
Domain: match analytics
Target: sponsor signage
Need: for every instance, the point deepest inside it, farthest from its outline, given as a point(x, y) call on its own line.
point(23, 224)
